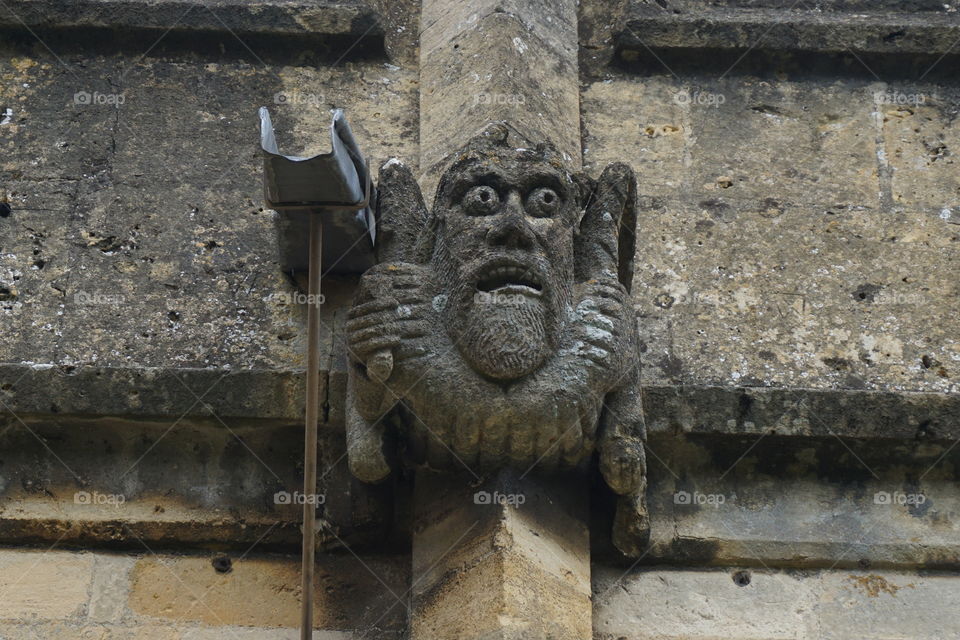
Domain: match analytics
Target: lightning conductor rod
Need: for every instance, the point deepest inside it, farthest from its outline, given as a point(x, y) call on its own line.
point(310, 428)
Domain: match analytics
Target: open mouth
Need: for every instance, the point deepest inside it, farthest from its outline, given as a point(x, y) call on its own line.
point(509, 278)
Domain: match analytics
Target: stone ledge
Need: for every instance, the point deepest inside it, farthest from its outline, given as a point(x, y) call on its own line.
point(867, 32)
point(285, 17)
point(270, 397)
point(865, 414)
point(673, 604)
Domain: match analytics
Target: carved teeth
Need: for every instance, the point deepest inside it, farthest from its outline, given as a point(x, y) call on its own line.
point(508, 276)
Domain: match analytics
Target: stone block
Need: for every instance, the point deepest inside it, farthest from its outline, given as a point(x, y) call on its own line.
point(38, 585)
point(507, 559)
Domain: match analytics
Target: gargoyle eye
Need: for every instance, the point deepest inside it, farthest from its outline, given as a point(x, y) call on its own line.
point(481, 201)
point(543, 202)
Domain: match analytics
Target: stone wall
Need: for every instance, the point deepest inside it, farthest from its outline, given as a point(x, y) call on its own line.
point(796, 288)
point(58, 595)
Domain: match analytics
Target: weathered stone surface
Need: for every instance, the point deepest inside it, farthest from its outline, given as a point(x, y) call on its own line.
point(507, 558)
point(349, 592)
point(104, 267)
point(860, 29)
point(801, 269)
point(175, 483)
point(765, 500)
point(58, 595)
point(286, 17)
point(108, 590)
point(634, 28)
point(492, 62)
point(28, 580)
point(742, 604)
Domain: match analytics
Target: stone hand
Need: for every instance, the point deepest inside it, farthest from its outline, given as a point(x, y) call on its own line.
point(391, 316)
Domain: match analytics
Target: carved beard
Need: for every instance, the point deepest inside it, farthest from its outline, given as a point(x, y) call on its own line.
point(502, 334)
point(505, 339)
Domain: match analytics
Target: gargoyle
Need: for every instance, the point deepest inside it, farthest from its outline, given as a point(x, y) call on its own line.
point(498, 329)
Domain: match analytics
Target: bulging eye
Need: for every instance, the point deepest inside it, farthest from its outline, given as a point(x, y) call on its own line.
point(481, 201)
point(543, 202)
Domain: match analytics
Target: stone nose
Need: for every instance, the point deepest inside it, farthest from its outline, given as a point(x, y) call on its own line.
point(510, 229)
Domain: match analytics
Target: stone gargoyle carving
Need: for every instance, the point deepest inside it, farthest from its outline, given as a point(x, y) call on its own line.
point(498, 329)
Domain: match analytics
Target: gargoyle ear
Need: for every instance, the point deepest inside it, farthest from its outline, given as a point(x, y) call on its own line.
point(607, 239)
point(401, 214)
point(586, 186)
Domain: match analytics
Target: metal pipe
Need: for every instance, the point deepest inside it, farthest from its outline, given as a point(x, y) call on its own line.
point(310, 429)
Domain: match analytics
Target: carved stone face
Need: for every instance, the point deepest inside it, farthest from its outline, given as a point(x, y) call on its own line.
point(505, 258)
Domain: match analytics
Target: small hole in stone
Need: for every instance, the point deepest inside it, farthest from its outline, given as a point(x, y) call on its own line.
point(174, 316)
point(222, 564)
point(548, 198)
point(4, 210)
point(741, 578)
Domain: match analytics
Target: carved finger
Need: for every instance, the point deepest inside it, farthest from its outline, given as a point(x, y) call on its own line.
point(439, 454)
point(548, 445)
point(466, 438)
point(363, 350)
point(607, 288)
point(571, 443)
point(365, 454)
point(401, 328)
point(623, 464)
point(597, 243)
point(373, 306)
point(522, 442)
point(631, 525)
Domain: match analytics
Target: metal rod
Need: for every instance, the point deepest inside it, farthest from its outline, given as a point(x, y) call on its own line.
point(310, 429)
